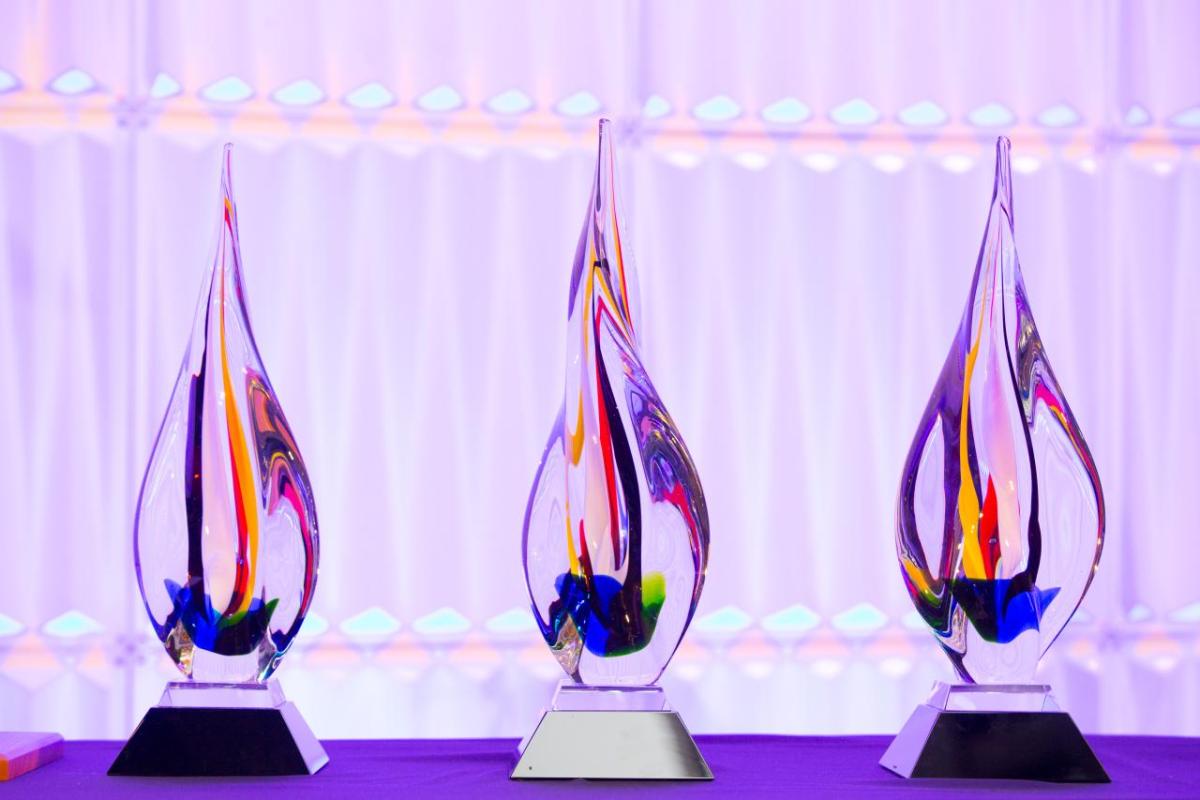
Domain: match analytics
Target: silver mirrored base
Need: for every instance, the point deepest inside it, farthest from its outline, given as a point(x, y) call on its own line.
point(992, 732)
point(610, 733)
point(612, 745)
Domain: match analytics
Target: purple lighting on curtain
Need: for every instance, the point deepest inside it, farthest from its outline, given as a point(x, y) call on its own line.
point(408, 285)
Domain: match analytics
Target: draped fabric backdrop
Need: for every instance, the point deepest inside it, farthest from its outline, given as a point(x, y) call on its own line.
point(803, 267)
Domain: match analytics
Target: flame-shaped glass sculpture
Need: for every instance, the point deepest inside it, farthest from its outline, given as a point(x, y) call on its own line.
point(616, 528)
point(1000, 518)
point(225, 539)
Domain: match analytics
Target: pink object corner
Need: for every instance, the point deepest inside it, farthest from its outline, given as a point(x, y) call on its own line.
point(25, 752)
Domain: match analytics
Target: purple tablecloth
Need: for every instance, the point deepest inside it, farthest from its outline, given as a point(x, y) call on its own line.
point(745, 766)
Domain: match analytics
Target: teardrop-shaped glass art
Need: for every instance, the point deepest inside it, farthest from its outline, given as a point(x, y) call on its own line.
point(616, 528)
point(225, 539)
point(1000, 517)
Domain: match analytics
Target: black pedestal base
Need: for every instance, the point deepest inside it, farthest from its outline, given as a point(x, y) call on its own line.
point(181, 742)
point(1013, 745)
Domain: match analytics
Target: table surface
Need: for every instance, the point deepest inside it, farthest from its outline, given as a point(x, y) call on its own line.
point(844, 767)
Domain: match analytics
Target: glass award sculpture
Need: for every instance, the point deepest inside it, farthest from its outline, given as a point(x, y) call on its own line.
point(999, 527)
point(225, 549)
point(615, 535)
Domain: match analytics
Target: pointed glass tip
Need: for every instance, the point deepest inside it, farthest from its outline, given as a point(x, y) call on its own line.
point(228, 209)
point(605, 164)
point(1003, 190)
point(605, 143)
point(227, 168)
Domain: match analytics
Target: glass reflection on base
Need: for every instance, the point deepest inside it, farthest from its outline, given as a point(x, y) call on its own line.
point(572, 696)
point(610, 733)
point(992, 731)
point(213, 729)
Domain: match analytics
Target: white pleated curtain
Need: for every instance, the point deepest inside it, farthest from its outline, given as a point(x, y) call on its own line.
point(407, 277)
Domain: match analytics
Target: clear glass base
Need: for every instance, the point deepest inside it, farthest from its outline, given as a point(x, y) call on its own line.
point(190, 694)
point(208, 667)
point(572, 696)
point(992, 697)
